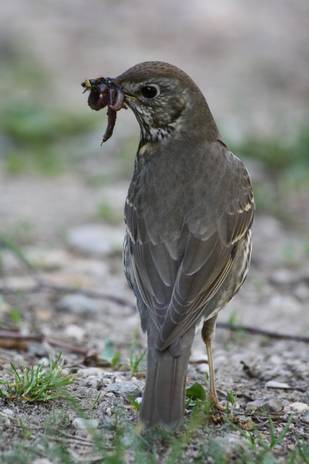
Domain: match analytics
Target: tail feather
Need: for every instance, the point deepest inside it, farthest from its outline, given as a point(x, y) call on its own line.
point(164, 395)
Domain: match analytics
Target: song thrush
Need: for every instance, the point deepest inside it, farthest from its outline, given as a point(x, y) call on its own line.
point(188, 216)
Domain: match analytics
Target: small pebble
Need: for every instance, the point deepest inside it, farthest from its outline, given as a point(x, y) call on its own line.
point(299, 407)
point(302, 292)
point(203, 368)
point(84, 424)
point(74, 331)
point(4, 421)
point(283, 277)
point(275, 384)
point(305, 418)
point(94, 381)
point(125, 388)
point(87, 371)
point(263, 407)
point(8, 412)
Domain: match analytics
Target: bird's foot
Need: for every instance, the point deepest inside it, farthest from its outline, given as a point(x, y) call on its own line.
point(215, 403)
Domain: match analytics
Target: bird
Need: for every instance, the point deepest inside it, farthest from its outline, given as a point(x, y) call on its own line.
point(188, 216)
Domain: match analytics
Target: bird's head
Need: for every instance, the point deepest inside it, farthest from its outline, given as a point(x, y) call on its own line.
point(162, 97)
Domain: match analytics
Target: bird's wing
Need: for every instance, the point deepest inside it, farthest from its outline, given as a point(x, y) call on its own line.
point(208, 259)
point(176, 275)
point(151, 268)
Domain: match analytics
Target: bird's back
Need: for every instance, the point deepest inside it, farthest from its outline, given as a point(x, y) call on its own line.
point(180, 207)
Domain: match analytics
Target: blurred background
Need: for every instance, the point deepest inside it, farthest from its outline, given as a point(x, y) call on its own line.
point(62, 194)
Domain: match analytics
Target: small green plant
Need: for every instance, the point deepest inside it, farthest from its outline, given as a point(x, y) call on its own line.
point(261, 448)
point(231, 401)
point(134, 403)
point(19, 454)
point(231, 398)
point(95, 401)
point(195, 395)
point(110, 354)
point(300, 454)
point(24, 429)
point(136, 355)
point(57, 421)
point(277, 439)
point(135, 360)
point(15, 316)
point(37, 383)
point(115, 361)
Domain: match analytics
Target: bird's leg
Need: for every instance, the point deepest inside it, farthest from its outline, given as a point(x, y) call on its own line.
point(208, 331)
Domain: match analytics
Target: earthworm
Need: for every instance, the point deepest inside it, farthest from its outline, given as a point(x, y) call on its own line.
point(103, 92)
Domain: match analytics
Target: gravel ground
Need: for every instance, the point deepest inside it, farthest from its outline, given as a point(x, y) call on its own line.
point(268, 377)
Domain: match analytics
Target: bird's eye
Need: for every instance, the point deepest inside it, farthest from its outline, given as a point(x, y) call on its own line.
point(150, 91)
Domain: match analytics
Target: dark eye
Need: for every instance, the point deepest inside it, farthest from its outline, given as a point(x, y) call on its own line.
point(150, 91)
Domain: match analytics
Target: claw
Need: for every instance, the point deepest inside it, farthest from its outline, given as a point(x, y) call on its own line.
point(216, 404)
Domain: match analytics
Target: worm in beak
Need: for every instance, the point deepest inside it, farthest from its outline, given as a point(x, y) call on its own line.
point(104, 92)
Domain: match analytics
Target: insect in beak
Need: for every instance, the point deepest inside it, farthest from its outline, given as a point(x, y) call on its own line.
point(87, 85)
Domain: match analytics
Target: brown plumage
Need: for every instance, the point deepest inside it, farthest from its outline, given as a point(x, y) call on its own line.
point(188, 215)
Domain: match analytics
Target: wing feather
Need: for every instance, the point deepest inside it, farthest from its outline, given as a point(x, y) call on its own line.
point(178, 275)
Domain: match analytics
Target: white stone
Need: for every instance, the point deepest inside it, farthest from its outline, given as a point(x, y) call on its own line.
point(84, 424)
point(279, 385)
point(93, 381)
point(89, 371)
point(204, 368)
point(126, 389)
point(284, 277)
point(265, 406)
point(7, 412)
point(74, 331)
point(299, 407)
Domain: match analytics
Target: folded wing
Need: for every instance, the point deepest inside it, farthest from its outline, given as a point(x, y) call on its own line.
point(175, 278)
